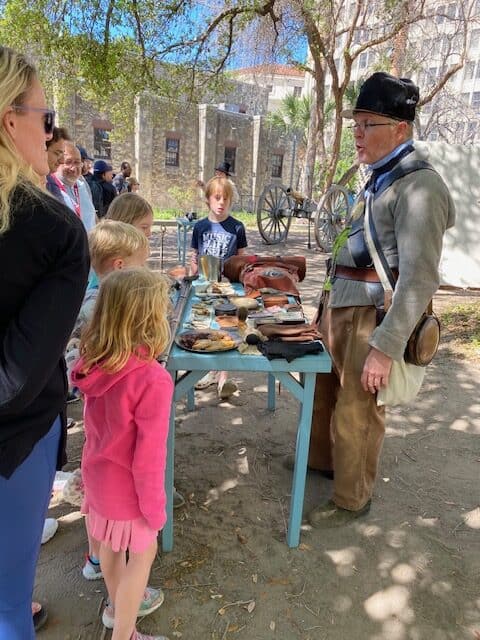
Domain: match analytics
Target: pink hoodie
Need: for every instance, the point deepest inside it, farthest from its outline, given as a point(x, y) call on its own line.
point(126, 426)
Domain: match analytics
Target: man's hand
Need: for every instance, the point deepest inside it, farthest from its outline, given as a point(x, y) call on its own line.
point(376, 371)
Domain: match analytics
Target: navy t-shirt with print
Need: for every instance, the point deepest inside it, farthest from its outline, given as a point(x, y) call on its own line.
point(220, 239)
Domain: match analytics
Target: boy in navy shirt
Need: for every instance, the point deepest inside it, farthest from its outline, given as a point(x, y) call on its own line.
point(222, 236)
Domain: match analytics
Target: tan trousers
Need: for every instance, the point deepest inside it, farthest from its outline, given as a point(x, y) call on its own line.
point(347, 426)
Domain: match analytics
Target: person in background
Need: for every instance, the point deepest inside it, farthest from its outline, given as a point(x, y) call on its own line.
point(103, 191)
point(132, 209)
point(43, 260)
point(75, 192)
point(55, 151)
point(87, 161)
point(128, 395)
point(86, 168)
point(222, 170)
point(222, 236)
point(120, 180)
point(133, 185)
point(411, 216)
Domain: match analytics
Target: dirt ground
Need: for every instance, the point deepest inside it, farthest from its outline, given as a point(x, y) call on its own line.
point(410, 570)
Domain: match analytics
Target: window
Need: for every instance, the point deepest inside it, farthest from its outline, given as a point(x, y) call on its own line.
point(229, 156)
point(102, 146)
point(277, 165)
point(475, 38)
point(476, 100)
point(451, 10)
point(440, 14)
point(471, 131)
point(297, 92)
point(269, 88)
point(362, 61)
point(469, 70)
point(172, 152)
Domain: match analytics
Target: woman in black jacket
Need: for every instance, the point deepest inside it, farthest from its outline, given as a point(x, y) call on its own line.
point(43, 273)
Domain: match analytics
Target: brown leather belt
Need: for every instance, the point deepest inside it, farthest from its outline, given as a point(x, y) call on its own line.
point(363, 274)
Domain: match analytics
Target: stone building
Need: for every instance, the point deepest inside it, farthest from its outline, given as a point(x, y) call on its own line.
point(174, 145)
point(280, 80)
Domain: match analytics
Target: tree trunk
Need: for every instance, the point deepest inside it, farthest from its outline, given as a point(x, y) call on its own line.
point(306, 187)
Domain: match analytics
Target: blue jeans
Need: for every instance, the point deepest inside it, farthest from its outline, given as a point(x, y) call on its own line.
point(24, 499)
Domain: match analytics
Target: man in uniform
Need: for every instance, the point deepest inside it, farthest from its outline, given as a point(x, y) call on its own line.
point(411, 216)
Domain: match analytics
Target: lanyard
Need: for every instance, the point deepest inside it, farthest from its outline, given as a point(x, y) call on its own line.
point(76, 196)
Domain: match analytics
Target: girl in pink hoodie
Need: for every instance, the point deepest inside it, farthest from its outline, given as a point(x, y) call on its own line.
point(128, 395)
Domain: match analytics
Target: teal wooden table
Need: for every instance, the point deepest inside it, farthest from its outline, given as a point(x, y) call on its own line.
point(195, 365)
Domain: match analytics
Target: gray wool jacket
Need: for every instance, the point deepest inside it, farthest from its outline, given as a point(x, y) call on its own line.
point(411, 217)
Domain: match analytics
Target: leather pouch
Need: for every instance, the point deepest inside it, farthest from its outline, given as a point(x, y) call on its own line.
point(290, 333)
point(234, 265)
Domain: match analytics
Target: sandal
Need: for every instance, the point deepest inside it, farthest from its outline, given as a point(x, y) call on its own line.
point(207, 381)
point(39, 615)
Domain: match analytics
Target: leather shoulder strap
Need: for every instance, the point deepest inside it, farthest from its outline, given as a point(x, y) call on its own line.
point(403, 168)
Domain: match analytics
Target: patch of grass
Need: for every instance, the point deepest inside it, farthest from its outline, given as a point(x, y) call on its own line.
point(248, 219)
point(461, 325)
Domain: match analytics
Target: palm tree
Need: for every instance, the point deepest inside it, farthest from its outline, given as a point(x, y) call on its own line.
point(292, 116)
point(292, 119)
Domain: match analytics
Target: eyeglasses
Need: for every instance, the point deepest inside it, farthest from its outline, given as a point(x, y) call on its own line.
point(48, 116)
point(365, 126)
point(73, 163)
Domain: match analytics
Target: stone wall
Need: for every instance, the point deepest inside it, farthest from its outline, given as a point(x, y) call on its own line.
point(203, 132)
point(81, 118)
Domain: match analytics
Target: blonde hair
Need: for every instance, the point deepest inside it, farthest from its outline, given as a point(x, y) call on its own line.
point(128, 207)
point(219, 184)
point(16, 77)
point(130, 317)
point(114, 239)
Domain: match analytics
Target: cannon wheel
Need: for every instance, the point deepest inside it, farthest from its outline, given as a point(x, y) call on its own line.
point(274, 214)
point(333, 212)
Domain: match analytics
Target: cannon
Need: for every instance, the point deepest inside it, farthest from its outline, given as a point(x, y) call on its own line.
point(277, 205)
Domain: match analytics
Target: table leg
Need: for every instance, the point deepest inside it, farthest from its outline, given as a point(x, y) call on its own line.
point(167, 533)
point(271, 392)
point(301, 458)
point(178, 243)
point(191, 400)
point(184, 246)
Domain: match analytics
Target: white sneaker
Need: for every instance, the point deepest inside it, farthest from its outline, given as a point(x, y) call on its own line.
point(50, 527)
point(91, 571)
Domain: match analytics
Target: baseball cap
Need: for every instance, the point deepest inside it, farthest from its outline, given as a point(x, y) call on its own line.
point(101, 166)
point(84, 153)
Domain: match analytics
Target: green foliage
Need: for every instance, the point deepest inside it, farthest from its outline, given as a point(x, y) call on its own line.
point(249, 219)
point(293, 116)
point(347, 157)
point(184, 197)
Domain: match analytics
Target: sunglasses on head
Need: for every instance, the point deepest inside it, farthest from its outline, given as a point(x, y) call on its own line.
point(48, 116)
